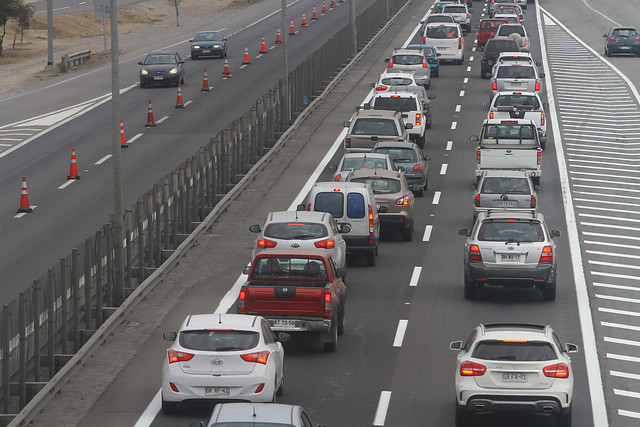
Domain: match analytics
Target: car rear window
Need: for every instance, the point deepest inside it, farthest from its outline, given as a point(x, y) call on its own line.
point(400, 155)
point(381, 185)
point(364, 162)
point(251, 424)
point(505, 186)
point(505, 30)
point(511, 231)
point(395, 103)
point(331, 202)
point(509, 131)
point(289, 268)
point(516, 72)
point(455, 9)
point(532, 351)
point(396, 81)
point(490, 24)
point(218, 340)
point(296, 231)
point(355, 205)
point(520, 101)
point(625, 32)
point(502, 46)
point(407, 59)
point(374, 126)
point(442, 32)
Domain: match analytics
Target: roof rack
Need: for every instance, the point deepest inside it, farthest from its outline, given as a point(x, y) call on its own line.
point(490, 212)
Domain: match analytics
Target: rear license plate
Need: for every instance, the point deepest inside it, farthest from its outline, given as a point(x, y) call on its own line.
point(216, 391)
point(284, 323)
point(511, 377)
point(443, 48)
point(158, 78)
point(515, 83)
point(502, 204)
point(625, 47)
point(510, 257)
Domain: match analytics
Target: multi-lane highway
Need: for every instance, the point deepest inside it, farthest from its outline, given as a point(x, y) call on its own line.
point(393, 366)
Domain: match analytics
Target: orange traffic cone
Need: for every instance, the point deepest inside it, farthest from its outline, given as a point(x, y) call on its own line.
point(304, 20)
point(278, 38)
point(123, 140)
point(314, 16)
point(24, 198)
point(73, 171)
point(226, 73)
point(205, 82)
point(179, 102)
point(333, 4)
point(324, 7)
point(292, 31)
point(150, 121)
point(246, 60)
point(263, 46)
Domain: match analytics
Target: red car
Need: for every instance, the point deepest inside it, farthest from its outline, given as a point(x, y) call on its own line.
point(487, 29)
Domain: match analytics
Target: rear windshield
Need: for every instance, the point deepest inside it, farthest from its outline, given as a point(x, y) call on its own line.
point(351, 163)
point(514, 351)
point(355, 205)
point(396, 81)
point(490, 24)
point(439, 18)
point(429, 51)
point(407, 59)
point(393, 103)
point(509, 131)
point(455, 9)
point(375, 126)
point(505, 30)
point(505, 185)
point(289, 268)
point(502, 46)
point(252, 424)
point(442, 32)
point(516, 72)
point(525, 102)
point(296, 231)
point(511, 231)
point(398, 155)
point(625, 32)
point(332, 202)
point(218, 340)
point(381, 185)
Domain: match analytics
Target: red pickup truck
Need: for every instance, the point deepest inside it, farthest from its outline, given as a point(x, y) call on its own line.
point(297, 291)
point(487, 29)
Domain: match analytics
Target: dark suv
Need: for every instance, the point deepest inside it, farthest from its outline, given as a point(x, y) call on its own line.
point(492, 49)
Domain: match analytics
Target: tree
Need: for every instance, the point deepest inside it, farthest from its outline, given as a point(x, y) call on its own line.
point(10, 9)
point(25, 14)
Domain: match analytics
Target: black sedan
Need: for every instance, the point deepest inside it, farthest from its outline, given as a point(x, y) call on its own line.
point(162, 68)
point(208, 43)
point(622, 40)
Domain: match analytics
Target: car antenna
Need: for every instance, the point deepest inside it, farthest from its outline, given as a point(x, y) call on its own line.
point(254, 412)
point(220, 318)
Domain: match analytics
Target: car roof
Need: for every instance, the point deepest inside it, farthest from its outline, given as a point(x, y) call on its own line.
point(397, 74)
point(365, 155)
point(515, 92)
point(297, 216)
point(443, 24)
point(342, 185)
point(385, 173)
point(405, 51)
point(386, 114)
point(298, 253)
point(521, 330)
point(515, 121)
point(396, 144)
point(204, 321)
point(254, 413)
point(524, 214)
point(396, 94)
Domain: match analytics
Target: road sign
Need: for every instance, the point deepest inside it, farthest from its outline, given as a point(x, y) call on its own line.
point(102, 9)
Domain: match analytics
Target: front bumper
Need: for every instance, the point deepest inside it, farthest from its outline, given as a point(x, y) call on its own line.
point(207, 51)
point(167, 79)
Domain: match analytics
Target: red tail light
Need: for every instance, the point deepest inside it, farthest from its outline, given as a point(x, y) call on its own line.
point(559, 370)
point(326, 244)
point(468, 16)
point(242, 301)
point(381, 88)
point(478, 152)
point(494, 85)
point(612, 38)
point(338, 177)
point(402, 201)
point(259, 388)
point(471, 369)
point(259, 357)
point(484, 57)
point(459, 43)
point(424, 40)
point(477, 201)
point(537, 85)
point(425, 64)
point(541, 119)
point(539, 156)
point(327, 303)
point(637, 38)
point(534, 202)
point(370, 221)
point(491, 115)
point(547, 254)
point(418, 167)
point(418, 119)
point(174, 387)
point(390, 65)
point(265, 243)
point(347, 142)
point(178, 356)
point(474, 253)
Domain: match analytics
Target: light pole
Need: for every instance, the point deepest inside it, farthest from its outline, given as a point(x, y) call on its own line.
point(285, 65)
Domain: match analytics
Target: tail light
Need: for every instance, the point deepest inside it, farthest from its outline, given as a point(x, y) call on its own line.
point(338, 177)
point(327, 302)
point(259, 388)
point(418, 167)
point(477, 201)
point(468, 16)
point(179, 356)
point(418, 119)
point(425, 64)
point(174, 387)
point(242, 301)
point(537, 88)
point(471, 369)
point(539, 156)
point(459, 43)
point(370, 221)
point(547, 254)
point(541, 119)
point(534, 202)
point(478, 152)
point(390, 63)
point(381, 88)
point(402, 201)
point(494, 85)
point(474, 253)
point(612, 38)
point(491, 115)
point(259, 357)
point(265, 243)
point(637, 38)
point(559, 370)
point(424, 40)
point(325, 244)
point(436, 60)
point(347, 142)
point(484, 57)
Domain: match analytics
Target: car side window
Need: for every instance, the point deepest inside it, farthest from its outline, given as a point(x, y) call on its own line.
point(269, 337)
point(470, 341)
point(304, 418)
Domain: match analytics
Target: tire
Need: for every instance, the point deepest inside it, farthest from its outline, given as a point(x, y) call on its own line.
point(470, 289)
point(332, 346)
point(428, 85)
point(420, 141)
point(143, 85)
point(536, 181)
point(564, 419)
point(426, 185)
point(407, 233)
point(341, 322)
point(462, 418)
point(427, 125)
point(182, 80)
point(607, 52)
point(420, 192)
point(169, 408)
point(549, 293)
point(371, 258)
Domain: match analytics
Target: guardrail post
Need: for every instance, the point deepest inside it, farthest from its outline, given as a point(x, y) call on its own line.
point(88, 263)
point(234, 155)
point(108, 227)
point(140, 226)
point(64, 304)
point(201, 174)
point(6, 372)
point(36, 329)
point(22, 349)
point(51, 322)
point(182, 217)
point(166, 243)
point(209, 177)
point(75, 286)
point(150, 230)
point(224, 159)
point(253, 146)
point(160, 214)
point(219, 165)
point(128, 227)
point(174, 209)
point(99, 276)
point(188, 196)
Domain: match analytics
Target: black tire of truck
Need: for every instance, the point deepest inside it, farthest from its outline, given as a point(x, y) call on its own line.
point(332, 346)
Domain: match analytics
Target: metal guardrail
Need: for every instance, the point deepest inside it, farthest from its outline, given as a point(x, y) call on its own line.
point(75, 58)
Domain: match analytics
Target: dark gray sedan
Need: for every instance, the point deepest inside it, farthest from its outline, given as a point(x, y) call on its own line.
point(162, 68)
point(408, 155)
point(208, 43)
point(622, 40)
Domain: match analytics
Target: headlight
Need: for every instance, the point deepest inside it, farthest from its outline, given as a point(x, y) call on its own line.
point(195, 46)
point(144, 72)
point(216, 46)
point(174, 70)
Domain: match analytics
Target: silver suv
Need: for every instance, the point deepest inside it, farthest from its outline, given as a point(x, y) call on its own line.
point(504, 189)
point(513, 368)
point(516, 76)
point(410, 60)
point(368, 127)
point(511, 249)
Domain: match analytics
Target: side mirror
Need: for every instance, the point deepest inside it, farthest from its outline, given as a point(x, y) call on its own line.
point(485, 104)
point(170, 336)
point(181, 62)
point(301, 207)
point(474, 186)
point(343, 228)
point(538, 63)
point(255, 228)
point(604, 35)
point(386, 60)
point(432, 97)
point(372, 84)
point(422, 22)
point(555, 233)
point(333, 167)
point(342, 273)
point(427, 157)
point(383, 209)
point(347, 124)
point(543, 140)
point(474, 138)
point(367, 105)
point(140, 63)
point(191, 41)
point(571, 348)
point(542, 75)
point(224, 39)
point(438, 54)
point(283, 337)
point(455, 345)
point(464, 232)
point(408, 126)
point(247, 269)
point(197, 424)
point(400, 168)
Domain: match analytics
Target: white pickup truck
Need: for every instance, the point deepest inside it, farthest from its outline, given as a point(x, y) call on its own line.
point(509, 145)
point(520, 105)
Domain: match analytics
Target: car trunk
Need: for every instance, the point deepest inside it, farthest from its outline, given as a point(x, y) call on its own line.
point(510, 375)
point(218, 363)
point(289, 300)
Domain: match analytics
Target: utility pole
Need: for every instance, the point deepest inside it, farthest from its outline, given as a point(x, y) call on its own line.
point(49, 34)
point(285, 64)
point(354, 29)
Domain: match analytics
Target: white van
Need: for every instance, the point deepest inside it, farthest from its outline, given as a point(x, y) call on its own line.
point(352, 203)
point(448, 40)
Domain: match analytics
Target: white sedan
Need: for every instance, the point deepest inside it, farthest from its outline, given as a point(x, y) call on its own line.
point(220, 357)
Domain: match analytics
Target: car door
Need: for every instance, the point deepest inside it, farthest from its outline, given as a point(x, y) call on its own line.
point(276, 349)
point(339, 255)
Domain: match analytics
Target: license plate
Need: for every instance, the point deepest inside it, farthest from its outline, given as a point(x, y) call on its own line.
point(511, 377)
point(510, 257)
point(503, 204)
point(158, 78)
point(216, 391)
point(515, 83)
point(625, 47)
point(206, 51)
point(443, 48)
point(286, 323)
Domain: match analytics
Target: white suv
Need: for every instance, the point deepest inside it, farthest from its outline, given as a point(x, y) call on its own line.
point(513, 368)
point(447, 39)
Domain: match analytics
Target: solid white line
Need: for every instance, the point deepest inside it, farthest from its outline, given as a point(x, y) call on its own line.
point(134, 138)
point(400, 331)
point(626, 375)
point(162, 119)
point(458, 108)
point(626, 393)
point(443, 169)
point(629, 414)
point(621, 312)
point(621, 341)
point(66, 184)
point(454, 125)
point(104, 159)
point(623, 357)
point(427, 233)
point(415, 276)
point(436, 198)
point(449, 146)
point(149, 414)
point(383, 407)
point(620, 326)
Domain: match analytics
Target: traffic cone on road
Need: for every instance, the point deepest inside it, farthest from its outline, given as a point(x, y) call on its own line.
point(123, 140)
point(278, 38)
point(304, 20)
point(333, 4)
point(263, 46)
point(226, 73)
point(205, 82)
point(292, 31)
point(324, 7)
point(73, 170)
point(246, 59)
point(314, 16)
point(24, 198)
point(179, 102)
point(150, 121)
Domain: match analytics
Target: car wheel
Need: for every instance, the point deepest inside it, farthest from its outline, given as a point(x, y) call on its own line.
point(182, 80)
point(470, 288)
point(563, 419)
point(462, 418)
point(371, 258)
point(332, 346)
point(536, 181)
point(420, 192)
point(428, 85)
point(407, 233)
point(341, 322)
point(169, 408)
point(549, 292)
point(425, 187)
point(607, 52)
point(420, 141)
point(143, 85)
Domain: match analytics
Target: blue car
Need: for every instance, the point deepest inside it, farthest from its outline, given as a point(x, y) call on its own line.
point(431, 55)
point(622, 40)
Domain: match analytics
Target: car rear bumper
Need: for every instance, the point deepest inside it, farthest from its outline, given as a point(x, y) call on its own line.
point(511, 277)
point(395, 221)
point(361, 243)
point(526, 404)
point(629, 49)
point(302, 324)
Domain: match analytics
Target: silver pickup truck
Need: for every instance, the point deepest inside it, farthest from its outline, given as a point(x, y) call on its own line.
point(520, 105)
point(509, 145)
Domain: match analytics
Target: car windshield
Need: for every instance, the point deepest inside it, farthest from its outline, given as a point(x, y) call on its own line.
point(505, 30)
point(521, 101)
point(381, 185)
point(396, 81)
point(351, 163)
point(160, 59)
point(395, 103)
point(516, 72)
point(502, 46)
point(219, 340)
point(295, 231)
point(289, 268)
point(505, 185)
point(407, 60)
point(375, 126)
point(442, 32)
point(400, 155)
point(625, 32)
point(509, 131)
point(511, 231)
point(532, 351)
point(210, 37)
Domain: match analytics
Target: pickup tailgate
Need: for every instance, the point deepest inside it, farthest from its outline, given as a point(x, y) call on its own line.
point(285, 300)
point(508, 157)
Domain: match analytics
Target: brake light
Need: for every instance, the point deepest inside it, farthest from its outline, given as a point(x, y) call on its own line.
point(518, 341)
point(459, 43)
point(381, 88)
point(559, 370)
point(259, 357)
point(370, 221)
point(477, 201)
point(327, 302)
point(494, 85)
point(612, 38)
point(468, 16)
point(491, 115)
point(471, 369)
point(547, 254)
point(425, 64)
point(418, 119)
point(242, 301)
point(539, 156)
point(338, 177)
point(474, 253)
point(402, 201)
point(265, 243)
point(347, 142)
point(436, 60)
point(326, 244)
point(484, 57)
point(541, 119)
point(390, 63)
point(417, 167)
point(478, 155)
point(178, 356)
point(534, 202)
point(537, 85)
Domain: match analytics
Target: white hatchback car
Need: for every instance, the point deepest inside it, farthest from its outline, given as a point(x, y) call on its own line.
point(513, 368)
point(218, 357)
point(257, 414)
point(355, 161)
